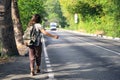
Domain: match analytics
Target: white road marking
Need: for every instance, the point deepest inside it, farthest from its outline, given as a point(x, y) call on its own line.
point(101, 47)
point(47, 61)
point(118, 53)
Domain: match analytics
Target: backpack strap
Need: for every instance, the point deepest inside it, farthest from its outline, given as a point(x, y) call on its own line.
point(32, 32)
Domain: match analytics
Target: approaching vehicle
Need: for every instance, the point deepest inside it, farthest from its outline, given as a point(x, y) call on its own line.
point(53, 26)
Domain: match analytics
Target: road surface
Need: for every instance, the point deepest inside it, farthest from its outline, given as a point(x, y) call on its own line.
point(71, 57)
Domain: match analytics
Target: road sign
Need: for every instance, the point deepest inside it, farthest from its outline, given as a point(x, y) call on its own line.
point(76, 18)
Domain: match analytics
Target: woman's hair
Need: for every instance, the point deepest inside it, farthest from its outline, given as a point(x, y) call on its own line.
point(35, 19)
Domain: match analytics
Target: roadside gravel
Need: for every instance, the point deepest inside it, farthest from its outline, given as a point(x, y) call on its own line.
point(18, 69)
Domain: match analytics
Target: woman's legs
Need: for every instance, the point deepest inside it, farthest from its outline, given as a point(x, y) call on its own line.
point(32, 59)
point(38, 50)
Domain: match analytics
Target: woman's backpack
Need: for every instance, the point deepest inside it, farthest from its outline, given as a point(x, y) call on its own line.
point(34, 35)
point(31, 36)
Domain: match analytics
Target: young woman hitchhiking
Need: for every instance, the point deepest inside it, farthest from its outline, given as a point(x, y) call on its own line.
point(36, 49)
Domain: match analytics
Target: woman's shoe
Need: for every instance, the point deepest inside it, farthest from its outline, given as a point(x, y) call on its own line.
point(38, 71)
point(32, 73)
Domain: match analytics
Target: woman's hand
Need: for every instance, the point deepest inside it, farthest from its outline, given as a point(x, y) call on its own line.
point(48, 34)
point(56, 36)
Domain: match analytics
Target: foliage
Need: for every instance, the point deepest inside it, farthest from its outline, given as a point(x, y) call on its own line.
point(29, 7)
point(53, 9)
point(49, 9)
point(93, 15)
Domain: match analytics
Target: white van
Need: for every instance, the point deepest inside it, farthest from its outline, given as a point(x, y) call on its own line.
point(53, 26)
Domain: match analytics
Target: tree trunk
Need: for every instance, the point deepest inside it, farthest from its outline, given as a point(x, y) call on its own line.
point(17, 23)
point(18, 30)
point(6, 27)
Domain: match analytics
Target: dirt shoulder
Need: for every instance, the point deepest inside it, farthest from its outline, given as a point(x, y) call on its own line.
point(4, 60)
point(17, 68)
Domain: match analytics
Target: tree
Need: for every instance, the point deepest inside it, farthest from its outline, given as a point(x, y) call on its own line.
point(29, 7)
point(18, 30)
point(53, 9)
point(6, 27)
point(17, 23)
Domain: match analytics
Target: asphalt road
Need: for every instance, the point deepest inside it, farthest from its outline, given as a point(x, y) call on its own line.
point(79, 57)
point(71, 57)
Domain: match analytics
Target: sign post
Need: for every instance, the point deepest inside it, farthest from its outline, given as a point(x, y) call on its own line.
point(76, 18)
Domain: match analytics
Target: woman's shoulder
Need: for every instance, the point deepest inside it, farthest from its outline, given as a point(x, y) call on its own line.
point(38, 25)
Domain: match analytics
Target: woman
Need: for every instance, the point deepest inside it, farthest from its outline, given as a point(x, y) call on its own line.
point(36, 50)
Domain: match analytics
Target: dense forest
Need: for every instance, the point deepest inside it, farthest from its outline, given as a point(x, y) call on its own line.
point(93, 15)
point(49, 9)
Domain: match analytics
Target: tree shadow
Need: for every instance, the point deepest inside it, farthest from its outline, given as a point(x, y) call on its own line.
point(94, 67)
point(19, 70)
